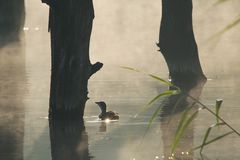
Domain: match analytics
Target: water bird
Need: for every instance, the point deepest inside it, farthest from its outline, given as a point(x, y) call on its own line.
point(104, 114)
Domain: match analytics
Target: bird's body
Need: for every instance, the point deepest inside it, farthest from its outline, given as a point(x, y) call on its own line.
point(104, 114)
point(108, 115)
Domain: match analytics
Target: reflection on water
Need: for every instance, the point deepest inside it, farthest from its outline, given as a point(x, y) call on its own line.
point(69, 140)
point(12, 78)
point(122, 35)
point(12, 91)
point(103, 127)
point(171, 114)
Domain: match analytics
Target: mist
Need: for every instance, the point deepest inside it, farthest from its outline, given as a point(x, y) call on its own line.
point(124, 33)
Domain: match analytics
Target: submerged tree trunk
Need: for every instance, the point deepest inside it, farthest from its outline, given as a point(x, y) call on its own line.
point(70, 24)
point(177, 43)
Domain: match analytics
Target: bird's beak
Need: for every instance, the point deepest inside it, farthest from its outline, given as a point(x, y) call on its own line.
point(96, 102)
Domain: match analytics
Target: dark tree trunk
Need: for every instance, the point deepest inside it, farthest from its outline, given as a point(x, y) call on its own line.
point(177, 43)
point(70, 24)
point(12, 15)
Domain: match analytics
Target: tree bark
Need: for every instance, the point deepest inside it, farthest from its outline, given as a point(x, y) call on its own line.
point(177, 43)
point(70, 25)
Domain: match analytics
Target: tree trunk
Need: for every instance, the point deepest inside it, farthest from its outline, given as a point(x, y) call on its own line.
point(70, 24)
point(177, 43)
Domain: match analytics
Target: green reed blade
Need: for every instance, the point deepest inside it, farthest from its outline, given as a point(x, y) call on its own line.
point(161, 80)
point(213, 140)
point(130, 68)
point(219, 2)
point(217, 108)
point(165, 93)
point(182, 127)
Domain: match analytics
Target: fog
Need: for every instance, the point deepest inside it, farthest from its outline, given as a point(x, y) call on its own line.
point(124, 33)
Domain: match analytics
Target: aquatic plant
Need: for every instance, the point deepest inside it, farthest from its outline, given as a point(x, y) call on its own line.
point(186, 119)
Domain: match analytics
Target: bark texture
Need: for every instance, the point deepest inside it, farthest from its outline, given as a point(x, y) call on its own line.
point(177, 43)
point(70, 25)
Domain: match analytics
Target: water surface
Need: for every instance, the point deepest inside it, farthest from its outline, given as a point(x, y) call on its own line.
point(124, 34)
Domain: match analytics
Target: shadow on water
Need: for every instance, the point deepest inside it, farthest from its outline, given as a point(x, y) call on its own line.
point(170, 116)
point(11, 101)
point(12, 80)
point(69, 139)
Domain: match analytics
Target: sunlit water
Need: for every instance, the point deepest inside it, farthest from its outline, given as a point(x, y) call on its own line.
point(124, 34)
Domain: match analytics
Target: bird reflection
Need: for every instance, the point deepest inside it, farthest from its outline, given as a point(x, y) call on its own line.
point(69, 140)
point(174, 105)
point(103, 127)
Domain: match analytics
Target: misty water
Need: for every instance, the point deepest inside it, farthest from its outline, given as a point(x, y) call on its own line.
point(125, 33)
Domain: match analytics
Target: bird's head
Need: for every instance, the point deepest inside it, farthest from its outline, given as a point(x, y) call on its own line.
point(102, 106)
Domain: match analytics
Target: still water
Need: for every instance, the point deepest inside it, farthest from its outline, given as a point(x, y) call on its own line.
point(124, 34)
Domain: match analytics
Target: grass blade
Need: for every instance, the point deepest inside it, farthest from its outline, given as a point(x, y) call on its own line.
point(207, 134)
point(165, 93)
point(175, 106)
point(130, 68)
point(182, 127)
point(219, 2)
point(213, 140)
point(154, 115)
point(161, 80)
point(205, 138)
point(228, 27)
point(153, 118)
point(213, 113)
point(217, 107)
point(152, 76)
point(182, 121)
